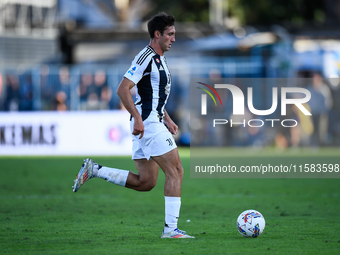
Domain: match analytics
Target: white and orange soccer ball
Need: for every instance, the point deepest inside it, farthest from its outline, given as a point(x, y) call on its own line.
point(250, 223)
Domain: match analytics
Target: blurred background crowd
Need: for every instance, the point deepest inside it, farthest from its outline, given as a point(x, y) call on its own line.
point(70, 55)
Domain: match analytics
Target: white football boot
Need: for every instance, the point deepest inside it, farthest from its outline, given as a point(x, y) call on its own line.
point(176, 233)
point(85, 173)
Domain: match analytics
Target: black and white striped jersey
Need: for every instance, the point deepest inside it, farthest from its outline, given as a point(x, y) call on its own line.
point(150, 73)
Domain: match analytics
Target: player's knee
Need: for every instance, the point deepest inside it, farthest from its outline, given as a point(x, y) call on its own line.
point(148, 185)
point(175, 173)
point(181, 171)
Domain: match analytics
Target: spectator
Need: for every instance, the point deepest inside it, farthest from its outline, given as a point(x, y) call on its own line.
point(64, 89)
point(86, 82)
point(335, 112)
point(321, 102)
point(106, 97)
point(60, 101)
point(1, 101)
point(47, 89)
point(26, 94)
point(13, 93)
point(99, 81)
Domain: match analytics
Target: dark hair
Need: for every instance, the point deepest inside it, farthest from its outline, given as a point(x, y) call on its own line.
point(160, 22)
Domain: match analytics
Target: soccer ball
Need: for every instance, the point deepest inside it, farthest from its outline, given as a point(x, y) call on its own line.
point(250, 223)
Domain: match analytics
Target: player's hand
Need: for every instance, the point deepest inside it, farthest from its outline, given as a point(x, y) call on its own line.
point(172, 127)
point(138, 127)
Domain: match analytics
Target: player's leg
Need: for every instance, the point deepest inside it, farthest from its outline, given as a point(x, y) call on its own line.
point(171, 165)
point(145, 180)
point(147, 175)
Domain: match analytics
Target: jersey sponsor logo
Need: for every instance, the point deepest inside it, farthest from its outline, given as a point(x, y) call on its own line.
point(161, 68)
point(132, 71)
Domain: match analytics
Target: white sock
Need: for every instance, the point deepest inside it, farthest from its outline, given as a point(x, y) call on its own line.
point(172, 207)
point(114, 175)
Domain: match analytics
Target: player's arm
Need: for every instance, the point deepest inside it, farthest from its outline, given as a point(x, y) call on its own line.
point(172, 127)
point(124, 94)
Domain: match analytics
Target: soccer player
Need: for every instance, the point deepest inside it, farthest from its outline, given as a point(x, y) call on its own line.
point(151, 127)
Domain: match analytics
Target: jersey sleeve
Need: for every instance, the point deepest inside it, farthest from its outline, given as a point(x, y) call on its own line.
point(137, 68)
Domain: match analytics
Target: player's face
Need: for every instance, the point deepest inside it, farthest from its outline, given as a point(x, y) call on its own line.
point(167, 38)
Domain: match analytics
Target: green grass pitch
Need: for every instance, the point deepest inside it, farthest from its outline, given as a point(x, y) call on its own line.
point(39, 213)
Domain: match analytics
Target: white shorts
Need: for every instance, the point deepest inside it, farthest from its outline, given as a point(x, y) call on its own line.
point(156, 141)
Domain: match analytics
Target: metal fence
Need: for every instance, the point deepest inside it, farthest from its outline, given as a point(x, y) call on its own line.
point(93, 87)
